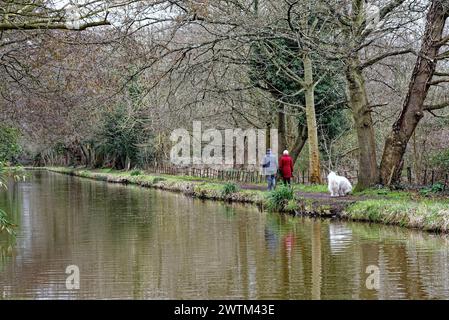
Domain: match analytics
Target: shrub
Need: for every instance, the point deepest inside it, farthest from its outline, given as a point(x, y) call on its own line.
point(279, 199)
point(5, 224)
point(292, 206)
point(135, 173)
point(436, 188)
point(229, 188)
point(10, 148)
point(158, 179)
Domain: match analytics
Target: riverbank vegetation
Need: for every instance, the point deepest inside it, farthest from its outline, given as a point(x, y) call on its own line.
point(5, 223)
point(422, 214)
point(10, 149)
point(405, 209)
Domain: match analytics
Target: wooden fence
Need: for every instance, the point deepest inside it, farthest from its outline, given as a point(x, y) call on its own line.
point(235, 175)
point(427, 177)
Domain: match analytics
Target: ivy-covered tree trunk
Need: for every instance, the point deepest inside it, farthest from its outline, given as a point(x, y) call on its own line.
point(413, 108)
point(314, 152)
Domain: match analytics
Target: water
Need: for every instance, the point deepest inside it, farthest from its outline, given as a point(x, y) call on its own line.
point(135, 243)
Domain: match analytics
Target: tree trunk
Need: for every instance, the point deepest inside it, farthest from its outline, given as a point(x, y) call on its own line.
point(268, 136)
point(413, 108)
point(314, 152)
point(300, 142)
point(85, 155)
point(282, 141)
point(128, 163)
point(368, 171)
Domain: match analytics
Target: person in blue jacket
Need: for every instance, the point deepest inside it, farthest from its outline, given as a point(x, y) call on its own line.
point(270, 167)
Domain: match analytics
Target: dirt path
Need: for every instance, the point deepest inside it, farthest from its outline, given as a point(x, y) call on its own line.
point(336, 203)
point(316, 198)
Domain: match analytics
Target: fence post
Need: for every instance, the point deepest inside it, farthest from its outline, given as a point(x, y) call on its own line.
point(433, 177)
point(425, 177)
point(445, 182)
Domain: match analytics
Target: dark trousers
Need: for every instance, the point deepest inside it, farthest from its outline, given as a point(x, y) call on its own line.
point(287, 181)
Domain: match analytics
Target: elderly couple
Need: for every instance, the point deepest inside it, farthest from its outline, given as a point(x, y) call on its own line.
point(270, 168)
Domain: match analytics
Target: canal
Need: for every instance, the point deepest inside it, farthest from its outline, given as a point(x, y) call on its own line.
point(134, 243)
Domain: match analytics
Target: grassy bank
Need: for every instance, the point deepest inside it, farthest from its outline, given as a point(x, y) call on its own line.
point(184, 184)
point(429, 215)
point(401, 208)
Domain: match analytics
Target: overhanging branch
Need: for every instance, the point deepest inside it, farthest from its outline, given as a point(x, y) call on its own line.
point(384, 56)
point(51, 26)
point(439, 81)
point(389, 8)
point(442, 56)
point(436, 106)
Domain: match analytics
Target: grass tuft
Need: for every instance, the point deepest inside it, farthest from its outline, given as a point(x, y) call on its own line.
point(279, 199)
point(229, 188)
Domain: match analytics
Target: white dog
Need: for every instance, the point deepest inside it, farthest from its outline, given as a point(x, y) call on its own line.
point(338, 185)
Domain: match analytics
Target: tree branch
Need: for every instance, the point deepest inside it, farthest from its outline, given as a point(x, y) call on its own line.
point(390, 7)
point(384, 56)
point(443, 41)
point(51, 26)
point(437, 116)
point(439, 81)
point(436, 106)
point(442, 56)
point(441, 74)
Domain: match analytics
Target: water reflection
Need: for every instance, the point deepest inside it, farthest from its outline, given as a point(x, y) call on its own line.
point(135, 243)
point(340, 237)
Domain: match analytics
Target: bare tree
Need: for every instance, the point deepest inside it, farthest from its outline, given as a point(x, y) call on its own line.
point(420, 83)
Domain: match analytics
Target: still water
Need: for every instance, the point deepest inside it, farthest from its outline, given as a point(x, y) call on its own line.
point(135, 243)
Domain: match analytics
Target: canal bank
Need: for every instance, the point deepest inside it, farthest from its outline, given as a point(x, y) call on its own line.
point(378, 206)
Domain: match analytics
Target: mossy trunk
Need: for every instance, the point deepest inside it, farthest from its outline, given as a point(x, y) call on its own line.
point(314, 152)
point(282, 140)
point(368, 171)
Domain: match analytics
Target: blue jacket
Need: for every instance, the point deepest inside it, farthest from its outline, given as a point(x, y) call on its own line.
point(269, 164)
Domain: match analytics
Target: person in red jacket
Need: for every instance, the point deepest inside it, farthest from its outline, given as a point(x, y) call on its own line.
point(286, 167)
